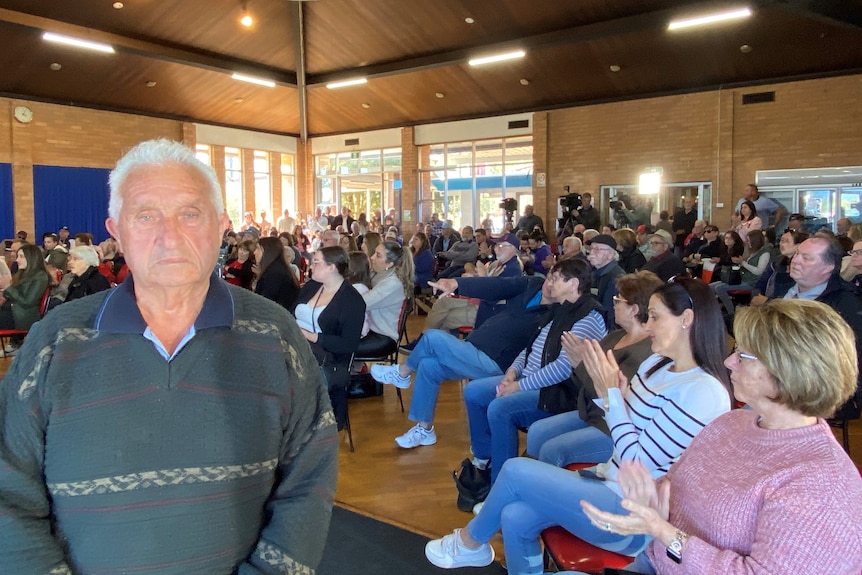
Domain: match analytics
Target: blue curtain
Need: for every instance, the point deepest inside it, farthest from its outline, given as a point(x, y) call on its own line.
point(74, 197)
point(7, 216)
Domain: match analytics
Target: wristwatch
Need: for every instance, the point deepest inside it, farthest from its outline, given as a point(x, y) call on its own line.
point(674, 550)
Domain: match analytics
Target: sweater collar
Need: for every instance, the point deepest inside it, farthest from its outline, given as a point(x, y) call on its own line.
point(120, 313)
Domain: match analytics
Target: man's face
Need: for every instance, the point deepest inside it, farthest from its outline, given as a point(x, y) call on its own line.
point(466, 234)
point(586, 200)
point(795, 225)
point(688, 203)
point(447, 232)
point(64, 235)
point(570, 248)
point(533, 244)
point(344, 212)
point(168, 228)
point(600, 255)
point(657, 246)
point(329, 239)
point(697, 230)
point(528, 210)
point(504, 251)
point(480, 236)
point(749, 193)
point(49, 243)
point(435, 218)
point(286, 213)
point(843, 226)
point(429, 231)
point(580, 228)
point(807, 267)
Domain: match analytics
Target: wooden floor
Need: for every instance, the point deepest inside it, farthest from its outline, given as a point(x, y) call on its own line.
point(414, 488)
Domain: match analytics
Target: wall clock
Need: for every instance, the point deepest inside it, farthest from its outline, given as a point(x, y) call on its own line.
point(23, 114)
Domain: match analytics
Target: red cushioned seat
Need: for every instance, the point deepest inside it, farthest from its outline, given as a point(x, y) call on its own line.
point(570, 553)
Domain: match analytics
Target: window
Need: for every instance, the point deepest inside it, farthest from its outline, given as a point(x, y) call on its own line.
point(262, 186)
point(288, 184)
point(202, 153)
point(233, 185)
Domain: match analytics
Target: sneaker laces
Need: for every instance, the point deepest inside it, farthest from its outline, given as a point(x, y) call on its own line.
point(449, 544)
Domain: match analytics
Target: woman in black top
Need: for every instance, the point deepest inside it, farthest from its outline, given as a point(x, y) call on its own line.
point(330, 313)
point(275, 281)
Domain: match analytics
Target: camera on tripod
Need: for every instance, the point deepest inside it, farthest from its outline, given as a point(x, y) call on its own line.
point(619, 204)
point(510, 206)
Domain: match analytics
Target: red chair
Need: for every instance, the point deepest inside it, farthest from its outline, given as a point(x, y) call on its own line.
point(569, 553)
point(8, 334)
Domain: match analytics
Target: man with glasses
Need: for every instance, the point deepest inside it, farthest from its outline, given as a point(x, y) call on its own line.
point(663, 262)
point(603, 256)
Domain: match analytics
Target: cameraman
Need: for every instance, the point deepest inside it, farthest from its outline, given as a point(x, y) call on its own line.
point(587, 214)
point(635, 210)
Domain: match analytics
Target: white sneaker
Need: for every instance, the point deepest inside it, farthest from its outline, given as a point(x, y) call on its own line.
point(478, 507)
point(416, 436)
point(449, 553)
point(389, 374)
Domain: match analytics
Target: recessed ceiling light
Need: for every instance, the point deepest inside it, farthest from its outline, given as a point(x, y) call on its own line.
point(709, 19)
point(151, 84)
point(440, 95)
point(118, 5)
point(344, 83)
point(497, 58)
point(366, 105)
point(615, 68)
point(745, 48)
point(56, 66)
point(524, 82)
point(246, 20)
point(253, 80)
point(469, 20)
point(239, 100)
point(69, 41)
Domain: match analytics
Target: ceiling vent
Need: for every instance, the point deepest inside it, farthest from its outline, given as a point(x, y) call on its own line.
point(351, 142)
point(518, 124)
point(758, 98)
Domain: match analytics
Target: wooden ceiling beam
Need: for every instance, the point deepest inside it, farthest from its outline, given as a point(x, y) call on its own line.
point(149, 49)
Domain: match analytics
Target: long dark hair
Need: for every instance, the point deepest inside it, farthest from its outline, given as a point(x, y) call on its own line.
point(707, 335)
point(751, 207)
point(737, 250)
point(360, 269)
point(35, 264)
point(423, 239)
point(273, 255)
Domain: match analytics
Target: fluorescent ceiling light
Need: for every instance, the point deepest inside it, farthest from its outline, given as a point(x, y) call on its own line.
point(711, 19)
point(69, 41)
point(253, 80)
point(497, 58)
point(343, 83)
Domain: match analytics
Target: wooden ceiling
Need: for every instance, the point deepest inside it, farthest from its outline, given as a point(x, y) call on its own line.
point(410, 50)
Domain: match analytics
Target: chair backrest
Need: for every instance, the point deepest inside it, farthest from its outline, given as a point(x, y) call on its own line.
point(43, 305)
point(406, 310)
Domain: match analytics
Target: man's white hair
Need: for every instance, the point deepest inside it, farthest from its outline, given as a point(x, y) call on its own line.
point(158, 153)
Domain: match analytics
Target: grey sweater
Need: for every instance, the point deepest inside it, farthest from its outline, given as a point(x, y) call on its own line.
point(113, 459)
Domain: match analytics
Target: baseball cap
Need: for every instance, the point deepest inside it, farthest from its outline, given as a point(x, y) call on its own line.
point(510, 239)
point(446, 226)
point(603, 239)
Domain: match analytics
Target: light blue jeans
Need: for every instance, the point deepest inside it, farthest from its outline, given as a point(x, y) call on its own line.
point(494, 421)
point(566, 438)
point(440, 356)
point(530, 496)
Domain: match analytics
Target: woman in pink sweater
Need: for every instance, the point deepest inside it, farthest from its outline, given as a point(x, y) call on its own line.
point(766, 489)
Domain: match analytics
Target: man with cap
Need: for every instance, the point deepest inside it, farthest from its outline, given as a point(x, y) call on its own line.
point(446, 239)
point(603, 256)
point(796, 222)
point(63, 237)
point(643, 233)
point(663, 262)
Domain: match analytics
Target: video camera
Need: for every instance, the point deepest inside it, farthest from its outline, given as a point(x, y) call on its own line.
point(619, 204)
point(510, 206)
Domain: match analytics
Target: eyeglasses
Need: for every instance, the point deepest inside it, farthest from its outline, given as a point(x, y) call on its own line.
point(854, 253)
point(656, 242)
point(620, 299)
point(742, 354)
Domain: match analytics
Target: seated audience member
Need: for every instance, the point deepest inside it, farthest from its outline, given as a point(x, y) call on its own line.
point(581, 434)
point(391, 284)
point(238, 271)
point(459, 254)
point(528, 391)
point(370, 242)
point(814, 271)
point(446, 239)
point(750, 269)
point(5, 275)
point(504, 264)
point(348, 243)
point(694, 240)
point(83, 278)
point(537, 262)
point(330, 314)
point(603, 257)
point(359, 276)
point(663, 262)
point(710, 247)
point(84, 239)
point(423, 261)
point(796, 222)
point(631, 258)
point(676, 392)
point(489, 349)
point(20, 302)
point(275, 280)
point(785, 498)
point(643, 233)
point(856, 264)
point(777, 274)
point(664, 222)
point(484, 246)
point(55, 254)
point(573, 248)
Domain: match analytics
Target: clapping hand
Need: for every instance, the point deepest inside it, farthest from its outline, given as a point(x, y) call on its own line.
point(602, 368)
point(574, 348)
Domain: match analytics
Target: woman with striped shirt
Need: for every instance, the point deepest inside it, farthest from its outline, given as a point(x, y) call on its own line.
point(652, 419)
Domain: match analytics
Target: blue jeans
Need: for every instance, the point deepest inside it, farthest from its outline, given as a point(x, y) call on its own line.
point(720, 289)
point(494, 421)
point(531, 496)
point(440, 356)
point(565, 438)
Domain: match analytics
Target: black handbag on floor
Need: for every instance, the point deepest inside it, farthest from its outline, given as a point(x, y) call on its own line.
point(473, 485)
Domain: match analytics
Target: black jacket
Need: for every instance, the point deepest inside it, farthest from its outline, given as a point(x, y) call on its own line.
point(340, 323)
point(278, 284)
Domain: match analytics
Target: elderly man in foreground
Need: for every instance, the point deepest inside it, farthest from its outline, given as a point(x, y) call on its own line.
point(172, 425)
